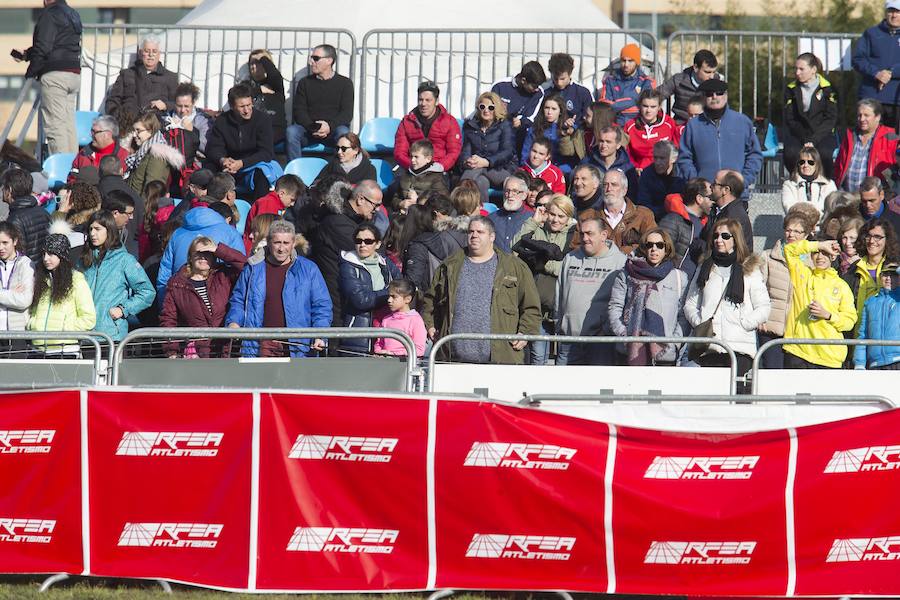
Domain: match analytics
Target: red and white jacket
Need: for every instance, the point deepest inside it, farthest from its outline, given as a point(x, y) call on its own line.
point(642, 137)
point(549, 173)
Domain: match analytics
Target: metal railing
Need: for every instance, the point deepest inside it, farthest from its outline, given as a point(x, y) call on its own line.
point(213, 57)
point(880, 401)
point(162, 334)
point(759, 64)
point(27, 88)
point(95, 338)
point(807, 342)
point(467, 62)
point(572, 339)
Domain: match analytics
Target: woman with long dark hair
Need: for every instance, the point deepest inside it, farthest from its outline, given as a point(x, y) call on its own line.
point(149, 230)
point(729, 289)
point(646, 300)
point(62, 299)
point(548, 124)
point(119, 286)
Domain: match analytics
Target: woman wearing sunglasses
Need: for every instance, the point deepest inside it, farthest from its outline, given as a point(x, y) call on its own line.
point(646, 300)
point(364, 277)
point(488, 154)
point(729, 289)
point(807, 183)
point(350, 161)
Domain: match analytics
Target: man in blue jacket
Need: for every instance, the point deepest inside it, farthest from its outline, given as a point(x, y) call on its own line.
point(278, 291)
point(718, 139)
point(197, 221)
point(877, 58)
point(509, 218)
point(881, 321)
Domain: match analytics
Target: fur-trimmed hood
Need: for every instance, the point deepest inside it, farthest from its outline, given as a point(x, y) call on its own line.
point(458, 223)
point(754, 262)
point(172, 156)
point(336, 197)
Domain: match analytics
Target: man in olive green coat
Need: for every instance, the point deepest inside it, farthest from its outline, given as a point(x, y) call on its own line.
point(482, 290)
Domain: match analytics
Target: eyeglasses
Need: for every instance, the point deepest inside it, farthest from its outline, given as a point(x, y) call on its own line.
point(510, 192)
point(723, 235)
point(344, 148)
point(657, 245)
point(717, 184)
point(713, 94)
point(809, 162)
point(365, 241)
point(372, 202)
point(795, 231)
point(541, 205)
point(489, 107)
point(98, 131)
point(137, 130)
point(875, 237)
point(149, 52)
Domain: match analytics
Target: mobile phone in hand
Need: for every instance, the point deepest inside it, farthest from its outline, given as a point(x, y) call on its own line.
point(17, 55)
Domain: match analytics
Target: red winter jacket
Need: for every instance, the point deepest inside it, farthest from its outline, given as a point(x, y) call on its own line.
point(270, 204)
point(551, 174)
point(183, 306)
point(881, 154)
point(641, 139)
point(89, 157)
point(444, 135)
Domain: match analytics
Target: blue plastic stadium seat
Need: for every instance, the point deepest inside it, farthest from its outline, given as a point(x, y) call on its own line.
point(383, 172)
point(772, 147)
point(243, 208)
point(316, 149)
point(57, 167)
point(377, 135)
point(307, 168)
point(83, 121)
point(176, 201)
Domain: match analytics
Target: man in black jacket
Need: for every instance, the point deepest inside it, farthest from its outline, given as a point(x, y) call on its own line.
point(335, 233)
point(240, 144)
point(55, 59)
point(726, 193)
point(145, 85)
point(24, 211)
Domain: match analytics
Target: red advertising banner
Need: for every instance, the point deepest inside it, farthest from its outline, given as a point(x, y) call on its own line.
point(40, 482)
point(170, 486)
point(688, 509)
point(342, 493)
point(306, 492)
point(847, 528)
point(519, 499)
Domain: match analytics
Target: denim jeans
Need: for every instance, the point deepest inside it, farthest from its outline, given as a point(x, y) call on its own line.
point(297, 137)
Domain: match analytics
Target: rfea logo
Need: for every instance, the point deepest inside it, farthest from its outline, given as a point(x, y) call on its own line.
point(361, 540)
point(27, 531)
point(26, 441)
point(169, 443)
point(699, 553)
point(864, 549)
point(519, 456)
point(870, 458)
point(343, 447)
point(701, 467)
point(171, 535)
point(529, 547)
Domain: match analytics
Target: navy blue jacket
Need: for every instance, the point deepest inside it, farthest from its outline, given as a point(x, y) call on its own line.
point(577, 97)
point(622, 163)
point(358, 299)
point(507, 225)
point(876, 50)
point(653, 189)
point(497, 144)
point(305, 297)
point(519, 103)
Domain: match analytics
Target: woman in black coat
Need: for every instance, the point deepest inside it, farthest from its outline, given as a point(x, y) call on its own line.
point(488, 154)
point(810, 114)
point(351, 161)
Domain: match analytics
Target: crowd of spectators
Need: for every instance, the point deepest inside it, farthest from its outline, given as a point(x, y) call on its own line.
point(553, 209)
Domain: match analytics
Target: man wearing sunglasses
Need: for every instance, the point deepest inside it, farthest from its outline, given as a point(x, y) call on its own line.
point(726, 190)
point(322, 104)
point(718, 139)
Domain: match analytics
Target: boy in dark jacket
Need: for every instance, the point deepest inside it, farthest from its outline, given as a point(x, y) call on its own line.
point(422, 177)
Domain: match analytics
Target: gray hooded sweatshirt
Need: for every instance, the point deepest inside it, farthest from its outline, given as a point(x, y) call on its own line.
point(583, 289)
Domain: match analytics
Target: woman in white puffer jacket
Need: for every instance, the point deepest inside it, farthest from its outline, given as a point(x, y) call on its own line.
point(729, 288)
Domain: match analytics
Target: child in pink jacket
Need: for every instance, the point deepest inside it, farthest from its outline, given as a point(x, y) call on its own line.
point(400, 296)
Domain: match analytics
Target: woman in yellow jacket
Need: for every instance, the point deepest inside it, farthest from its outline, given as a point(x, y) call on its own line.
point(62, 299)
point(822, 306)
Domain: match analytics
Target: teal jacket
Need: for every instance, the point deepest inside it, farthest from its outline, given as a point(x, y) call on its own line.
point(118, 280)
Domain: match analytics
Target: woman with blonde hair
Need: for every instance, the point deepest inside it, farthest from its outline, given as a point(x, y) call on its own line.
point(488, 154)
point(728, 288)
point(542, 243)
point(259, 229)
point(466, 199)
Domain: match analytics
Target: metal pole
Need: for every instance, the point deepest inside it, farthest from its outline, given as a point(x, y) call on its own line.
point(267, 334)
point(570, 339)
point(537, 399)
point(90, 336)
point(808, 342)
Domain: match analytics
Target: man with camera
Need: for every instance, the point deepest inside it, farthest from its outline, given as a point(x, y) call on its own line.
point(322, 104)
point(55, 60)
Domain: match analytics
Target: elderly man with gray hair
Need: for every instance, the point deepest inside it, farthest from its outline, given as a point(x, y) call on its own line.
point(280, 290)
point(145, 85)
point(626, 221)
point(660, 179)
point(104, 142)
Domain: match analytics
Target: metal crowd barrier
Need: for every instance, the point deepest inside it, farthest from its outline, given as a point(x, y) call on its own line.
point(880, 401)
point(573, 339)
point(213, 57)
point(467, 62)
point(759, 64)
point(811, 342)
point(162, 334)
point(95, 338)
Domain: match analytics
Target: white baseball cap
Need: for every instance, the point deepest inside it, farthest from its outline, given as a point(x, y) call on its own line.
point(892, 4)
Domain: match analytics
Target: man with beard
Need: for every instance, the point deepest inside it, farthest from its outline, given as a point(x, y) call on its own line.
point(509, 219)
